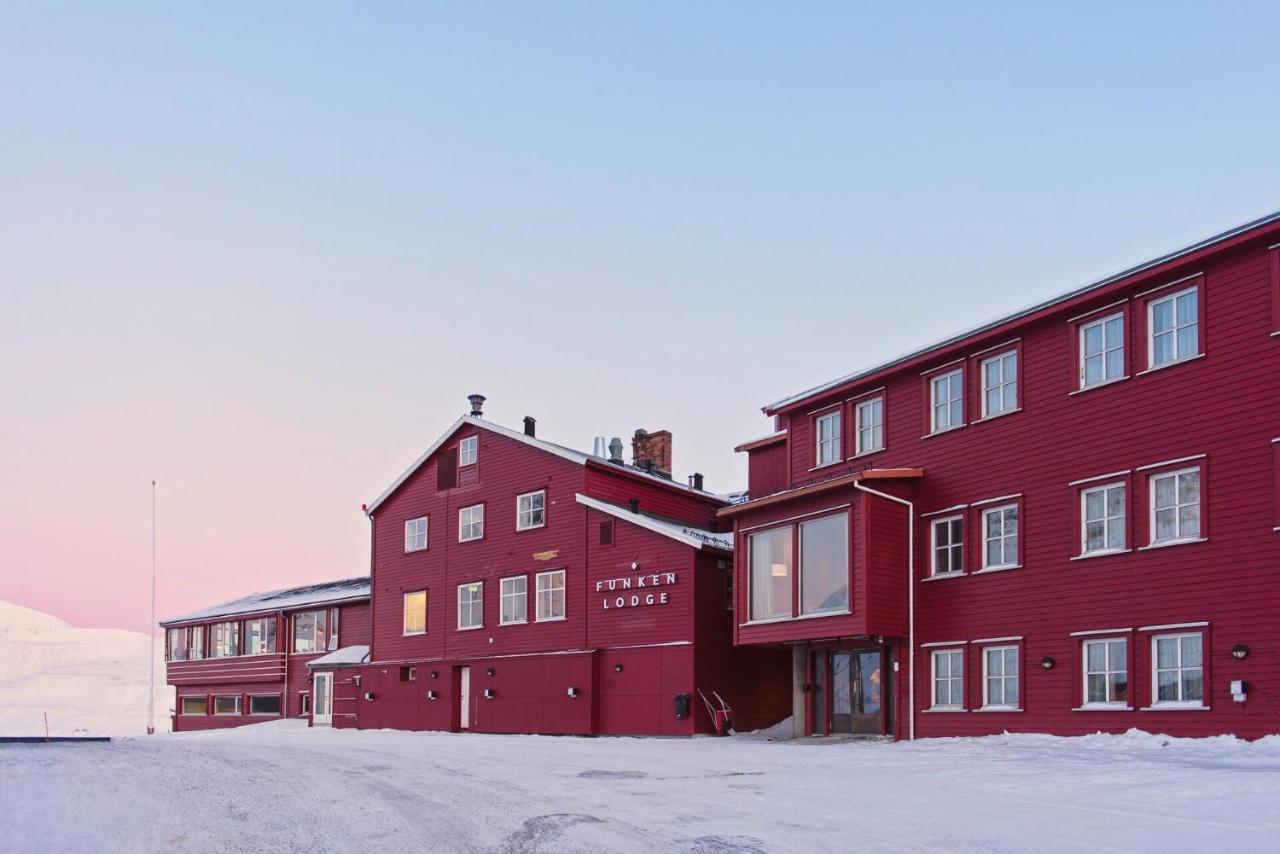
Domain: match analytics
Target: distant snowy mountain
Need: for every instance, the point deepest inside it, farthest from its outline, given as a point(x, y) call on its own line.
point(89, 681)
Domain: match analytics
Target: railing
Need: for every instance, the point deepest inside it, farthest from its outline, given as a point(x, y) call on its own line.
point(242, 668)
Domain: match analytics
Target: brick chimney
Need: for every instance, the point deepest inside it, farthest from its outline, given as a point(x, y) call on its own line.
point(652, 451)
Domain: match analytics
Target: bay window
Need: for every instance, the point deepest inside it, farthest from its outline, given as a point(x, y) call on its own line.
point(770, 562)
point(824, 564)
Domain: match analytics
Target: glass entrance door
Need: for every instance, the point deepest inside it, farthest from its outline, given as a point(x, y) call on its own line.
point(856, 692)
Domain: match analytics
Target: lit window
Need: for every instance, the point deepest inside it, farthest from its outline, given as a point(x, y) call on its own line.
point(531, 510)
point(948, 679)
point(948, 545)
point(1000, 536)
point(829, 438)
point(947, 393)
point(471, 523)
point(227, 705)
point(309, 633)
point(415, 612)
point(1106, 672)
point(1102, 519)
point(468, 450)
point(264, 704)
point(1175, 327)
point(194, 706)
point(824, 565)
point(1175, 506)
point(471, 605)
point(770, 573)
point(226, 640)
point(1102, 351)
point(1000, 384)
point(870, 423)
point(515, 600)
point(260, 636)
point(551, 595)
point(1179, 670)
point(1000, 677)
point(415, 534)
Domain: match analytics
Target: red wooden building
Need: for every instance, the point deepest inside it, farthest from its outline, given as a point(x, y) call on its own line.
point(521, 586)
point(1064, 521)
point(269, 655)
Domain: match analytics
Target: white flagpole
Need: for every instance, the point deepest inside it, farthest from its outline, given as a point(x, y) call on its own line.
point(151, 627)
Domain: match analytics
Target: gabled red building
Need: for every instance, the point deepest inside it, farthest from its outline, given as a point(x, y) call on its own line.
point(1066, 521)
point(521, 586)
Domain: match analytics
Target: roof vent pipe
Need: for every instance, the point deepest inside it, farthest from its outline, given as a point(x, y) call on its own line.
point(615, 450)
point(530, 425)
point(696, 481)
point(598, 447)
point(634, 503)
point(477, 405)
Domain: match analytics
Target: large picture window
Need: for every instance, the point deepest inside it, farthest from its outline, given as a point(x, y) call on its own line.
point(829, 438)
point(1000, 537)
point(1106, 672)
point(824, 564)
point(1179, 670)
point(515, 600)
point(310, 631)
point(1174, 323)
point(947, 401)
point(1102, 351)
point(947, 546)
point(1000, 384)
point(1102, 518)
point(948, 679)
point(415, 612)
point(260, 636)
point(1175, 506)
point(1000, 677)
point(551, 595)
point(770, 573)
point(531, 510)
point(226, 639)
point(471, 605)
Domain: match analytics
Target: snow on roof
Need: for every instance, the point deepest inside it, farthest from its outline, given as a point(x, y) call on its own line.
point(346, 657)
point(1018, 315)
point(687, 534)
point(579, 457)
point(288, 598)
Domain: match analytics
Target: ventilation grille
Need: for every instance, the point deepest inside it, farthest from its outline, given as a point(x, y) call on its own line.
point(447, 469)
point(606, 533)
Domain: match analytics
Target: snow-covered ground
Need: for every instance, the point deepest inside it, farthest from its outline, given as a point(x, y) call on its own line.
point(88, 681)
point(282, 787)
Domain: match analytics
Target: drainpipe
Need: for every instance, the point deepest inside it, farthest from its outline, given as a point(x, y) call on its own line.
point(911, 602)
point(284, 691)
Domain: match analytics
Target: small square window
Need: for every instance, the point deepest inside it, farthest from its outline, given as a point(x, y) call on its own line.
point(468, 450)
point(531, 510)
point(415, 534)
point(1175, 506)
point(1174, 327)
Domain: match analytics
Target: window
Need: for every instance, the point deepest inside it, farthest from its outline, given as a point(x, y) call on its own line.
point(948, 545)
point(947, 393)
point(264, 704)
point(531, 510)
point(551, 595)
point(333, 628)
point(304, 703)
point(1106, 672)
point(1174, 322)
point(1179, 670)
point(468, 450)
point(770, 573)
point(1102, 351)
point(309, 632)
point(824, 565)
point(471, 523)
point(948, 679)
point(177, 644)
point(515, 600)
point(869, 416)
point(260, 636)
point(1000, 536)
point(1000, 677)
point(415, 612)
point(227, 705)
point(408, 674)
point(1000, 384)
point(829, 438)
point(1175, 506)
point(194, 706)
point(195, 643)
point(1102, 519)
point(226, 640)
point(415, 534)
point(471, 605)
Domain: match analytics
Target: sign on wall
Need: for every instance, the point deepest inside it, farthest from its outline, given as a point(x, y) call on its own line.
point(635, 592)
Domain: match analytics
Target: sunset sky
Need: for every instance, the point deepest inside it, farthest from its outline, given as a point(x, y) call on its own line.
point(261, 253)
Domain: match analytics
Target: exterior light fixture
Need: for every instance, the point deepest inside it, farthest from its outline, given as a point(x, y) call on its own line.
point(1239, 651)
point(1047, 662)
point(431, 695)
point(488, 693)
point(617, 668)
point(369, 695)
point(573, 692)
point(635, 564)
point(489, 672)
point(434, 674)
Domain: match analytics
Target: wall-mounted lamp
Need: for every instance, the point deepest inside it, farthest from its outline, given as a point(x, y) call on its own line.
point(635, 564)
point(355, 680)
point(1047, 662)
point(617, 668)
point(431, 695)
point(434, 674)
point(1239, 651)
point(369, 695)
point(488, 693)
point(573, 692)
point(489, 672)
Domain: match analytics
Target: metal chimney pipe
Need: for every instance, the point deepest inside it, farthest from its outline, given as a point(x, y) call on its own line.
point(477, 405)
point(530, 425)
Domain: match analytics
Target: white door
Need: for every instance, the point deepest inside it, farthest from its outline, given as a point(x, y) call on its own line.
point(322, 700)
point(464, 699)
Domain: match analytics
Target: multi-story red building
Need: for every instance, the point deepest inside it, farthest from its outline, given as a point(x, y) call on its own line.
point(521, 586)
point(269, 655)
point(1065, 521)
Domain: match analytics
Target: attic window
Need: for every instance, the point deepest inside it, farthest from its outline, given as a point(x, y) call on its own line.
point(606, 533)
point(468, 450)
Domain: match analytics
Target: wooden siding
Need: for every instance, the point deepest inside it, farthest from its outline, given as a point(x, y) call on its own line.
point(767, 471)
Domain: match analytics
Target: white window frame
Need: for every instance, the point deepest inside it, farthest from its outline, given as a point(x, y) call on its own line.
point(934, 546)
point(1005, 382)
point(1180, 703)
point(505, 594)
point(468, 450)
point(251, 713)
point(467, 527)
point(550, 591)
point(875, 429)
point(1107, 347)
point(1109, 668)
point(1107, 547)
point(473, 608)
point(954, 654)
point(1174, 330)
point(236, 713)
point(829, 450)
point(404, 620)
point(317, 627)
point(182, 705)
point(1004, 677)
point(412, 534)
point(521, 511)
point(1006, 562)
point(934, 404)
point(1176, 507)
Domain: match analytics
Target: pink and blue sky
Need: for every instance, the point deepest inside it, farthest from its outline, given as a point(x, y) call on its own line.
point(261, 254)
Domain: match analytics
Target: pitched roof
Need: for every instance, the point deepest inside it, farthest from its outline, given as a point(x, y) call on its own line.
point(287, 599)
point(1207, 243)
point(698, 538)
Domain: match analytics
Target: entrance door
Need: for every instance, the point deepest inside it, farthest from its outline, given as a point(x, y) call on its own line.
point(856, 692)
point(464, 698)
point(322, 700)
